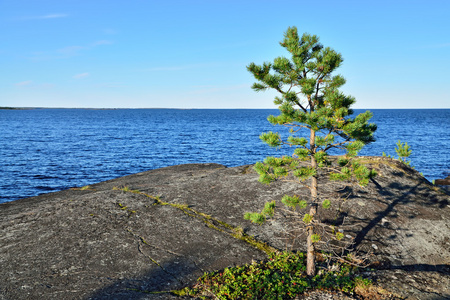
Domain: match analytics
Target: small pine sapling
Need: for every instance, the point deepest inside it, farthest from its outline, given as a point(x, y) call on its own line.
point(403, 152)
point(318, 116)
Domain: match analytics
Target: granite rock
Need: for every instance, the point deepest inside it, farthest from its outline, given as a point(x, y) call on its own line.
point(170, 225)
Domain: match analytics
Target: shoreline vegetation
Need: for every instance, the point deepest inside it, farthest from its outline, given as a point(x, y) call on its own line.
point(10, 108)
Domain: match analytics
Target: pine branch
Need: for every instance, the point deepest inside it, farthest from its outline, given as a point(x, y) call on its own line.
point(336, 145)
point(301, 106)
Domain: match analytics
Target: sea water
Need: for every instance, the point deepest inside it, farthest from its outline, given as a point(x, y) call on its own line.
point(45, 150)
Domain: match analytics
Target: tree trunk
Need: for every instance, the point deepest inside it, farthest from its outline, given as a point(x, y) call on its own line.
point(310, 258)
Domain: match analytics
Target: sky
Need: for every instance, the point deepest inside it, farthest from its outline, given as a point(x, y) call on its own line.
point(194, 53)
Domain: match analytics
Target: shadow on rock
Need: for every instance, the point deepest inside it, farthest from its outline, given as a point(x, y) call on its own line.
point(156, 284)
point(393, 201)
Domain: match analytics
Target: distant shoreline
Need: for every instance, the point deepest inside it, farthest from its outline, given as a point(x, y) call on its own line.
point(10, 108)
point(167, 108)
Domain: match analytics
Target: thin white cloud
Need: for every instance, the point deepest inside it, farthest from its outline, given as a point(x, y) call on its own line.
point(67, 52)
point(24, 83)
point(82, 75)
point(70, 50)
point(43, 17)
point(53, 16)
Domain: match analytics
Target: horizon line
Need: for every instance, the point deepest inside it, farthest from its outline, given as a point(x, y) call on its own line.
point(175, 108)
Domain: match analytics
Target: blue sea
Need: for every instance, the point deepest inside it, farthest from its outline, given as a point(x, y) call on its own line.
point(46, 150)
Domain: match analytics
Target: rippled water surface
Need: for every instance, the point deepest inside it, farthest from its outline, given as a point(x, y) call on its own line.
point(45, 150)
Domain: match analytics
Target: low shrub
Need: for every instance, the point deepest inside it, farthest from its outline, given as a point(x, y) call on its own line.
point(282, 276)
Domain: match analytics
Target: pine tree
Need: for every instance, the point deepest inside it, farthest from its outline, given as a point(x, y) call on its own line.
point(309, 101)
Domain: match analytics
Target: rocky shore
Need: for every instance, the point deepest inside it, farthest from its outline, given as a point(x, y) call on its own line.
point(160, 230)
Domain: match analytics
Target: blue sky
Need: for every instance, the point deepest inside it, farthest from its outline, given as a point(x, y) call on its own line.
point(193, 54)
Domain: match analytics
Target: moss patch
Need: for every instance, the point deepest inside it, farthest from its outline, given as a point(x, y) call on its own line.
point(235, 232)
